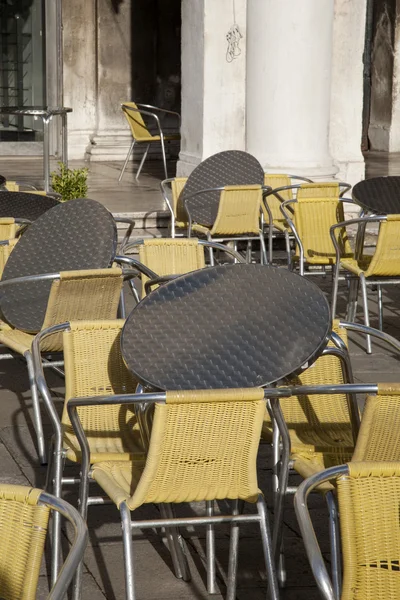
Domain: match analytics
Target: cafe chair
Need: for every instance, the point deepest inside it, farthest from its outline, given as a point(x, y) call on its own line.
point(24, 519)
point(236, 216)
point(280, 226)
point(380, 269)
point(171, 256)
point(323, 428)
point(188, 461)
point(368, 498)
point(141, 135)
point(310, 215)
point(171, 190)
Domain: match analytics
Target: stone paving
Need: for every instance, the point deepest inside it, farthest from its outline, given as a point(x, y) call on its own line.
point(103, 570)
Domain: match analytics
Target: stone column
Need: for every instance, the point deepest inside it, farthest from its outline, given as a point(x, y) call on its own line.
point(347, 89)
point(213, 85)
point(289, 56)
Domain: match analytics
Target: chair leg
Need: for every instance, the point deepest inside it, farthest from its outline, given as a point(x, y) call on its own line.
point(163, 155)
point(335, 289)
point(248, 252)
point(273, 591)
point(56, 476)
point(288, 252)
point(126, 160)
point(353, 299)
point(366, 313)
point(210, 549)
point(233, 556)
point(275, 490)
point(36, 409)
point(128, 551)
point(270, 242)
point(380, 307)
point(264, 258)
point(335, 544)
point(175, 545)
point(142, 162)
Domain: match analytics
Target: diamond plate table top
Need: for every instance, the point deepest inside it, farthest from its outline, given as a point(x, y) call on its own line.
point(34, 111)
point(380, 195)
point(23, 205)
point(231, 167)
point(75, 235)
point(2, 180)
point(226, 327)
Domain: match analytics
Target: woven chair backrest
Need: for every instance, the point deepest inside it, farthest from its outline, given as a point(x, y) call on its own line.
point(239, 210)
point(8, 228)
point(322, 420)
point(23, 528)
point(386, 259)
point(203, 447)
point(177, 185)
point(318, 208)
point(81, 296)
point(136, 123)
point(74, 235)
point(171, 256)
point(277, 180)
point(370, 530)
point(94, 367)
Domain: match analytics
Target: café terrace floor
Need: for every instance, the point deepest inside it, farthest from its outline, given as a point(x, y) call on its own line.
point(103, 564)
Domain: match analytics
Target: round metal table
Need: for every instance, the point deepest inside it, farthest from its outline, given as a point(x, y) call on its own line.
point(226, 327)
point(23, 205)
point(46, 113)
point(379, 195)
point(2, 180)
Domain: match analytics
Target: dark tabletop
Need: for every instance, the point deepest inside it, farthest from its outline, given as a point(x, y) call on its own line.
point(23, 205)
point(39, 111)
point(226, 327)
point(2, 180)
point(231, 167)
point(75, 235)
point(380, 195)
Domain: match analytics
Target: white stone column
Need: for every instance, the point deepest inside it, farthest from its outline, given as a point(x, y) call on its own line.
point(213, 89)
point(347, 89)
point(289, 67)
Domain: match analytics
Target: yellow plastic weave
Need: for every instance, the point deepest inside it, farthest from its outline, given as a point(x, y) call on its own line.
point(23, 527)
point(8, 228)
point(318, 208)
point(370, 531)
point(239, 211)
point(171, 256)
point(319, 425)
point(379, 438)
point(203, 447)
point(137, 125)
point(177, 185)
point(94, 367)
point(276, 180)
point(385, 261)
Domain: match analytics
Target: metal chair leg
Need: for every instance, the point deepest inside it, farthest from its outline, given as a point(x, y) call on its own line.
point(288, 251)
point(56, 477)
point(281, 570)
point(366, 313)
point(163, 155)
point(335, 287)
point(352, 300)
point(36, 409)
point(233, 556)
point(210, 548)
point(335, 544)
point(248, 251)
point(273, 591)
point(264, 258)
point(128, 551)
point(126, 160)
point(380, 307)
point(142, 162)
point(175, 545)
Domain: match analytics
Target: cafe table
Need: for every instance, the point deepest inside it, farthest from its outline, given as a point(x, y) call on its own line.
point(46, 113)
point(378, 195)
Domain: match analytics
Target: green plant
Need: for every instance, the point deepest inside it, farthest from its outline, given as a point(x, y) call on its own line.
point(70, 183)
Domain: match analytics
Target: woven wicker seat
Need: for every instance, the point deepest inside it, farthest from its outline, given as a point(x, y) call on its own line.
point(383, 268)
point(203, 447)
point(368, 497)
point(24, 517)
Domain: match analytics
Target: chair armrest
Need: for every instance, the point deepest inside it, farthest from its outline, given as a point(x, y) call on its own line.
point(128, 233)
point(29, 278)
point(164, 110)
point(136, 264)
point(385, 337)
point(157, 281)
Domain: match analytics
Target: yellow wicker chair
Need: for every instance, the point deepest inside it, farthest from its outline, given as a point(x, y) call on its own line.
point(322, 428)
point(24, 517)
point(317, 207)
point(189, 461)
point(382, 268)
point(93, 367)
point(178, 217)
point(238, 217)
point(141, 134)
point(369, 498)
point(74, 295)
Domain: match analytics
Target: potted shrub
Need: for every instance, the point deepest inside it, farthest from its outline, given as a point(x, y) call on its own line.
point(70, 183)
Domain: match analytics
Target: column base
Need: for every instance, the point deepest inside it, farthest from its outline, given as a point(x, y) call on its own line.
point(328, 171)
point(186, 163)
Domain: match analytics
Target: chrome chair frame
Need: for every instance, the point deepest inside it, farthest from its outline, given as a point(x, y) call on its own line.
point(163, 186)
point(160, 132)
point(356, 280)
point(236, 238)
